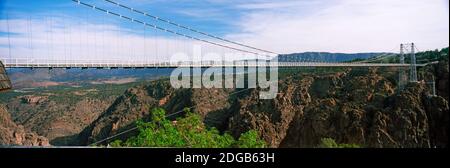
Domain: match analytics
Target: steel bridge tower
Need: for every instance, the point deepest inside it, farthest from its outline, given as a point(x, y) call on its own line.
point(413, 67)
point(402, 77)
point(408, 48)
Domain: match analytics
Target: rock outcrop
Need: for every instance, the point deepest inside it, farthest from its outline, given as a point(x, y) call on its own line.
point(271, 118)
point(35, 100)
point(399, 120)
point(137, 103)
point(13, 134)
point(439, 74)
point(356, 107)
point(5, 83)
point(59, 121)
point(437, 109)
point(134, 104)
point(442, 73)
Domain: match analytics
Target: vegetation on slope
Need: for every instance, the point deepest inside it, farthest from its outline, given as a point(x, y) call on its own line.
point(331, 143)
point(189, 131)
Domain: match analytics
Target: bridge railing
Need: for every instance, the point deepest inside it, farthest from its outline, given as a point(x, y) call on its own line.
point(118, 63)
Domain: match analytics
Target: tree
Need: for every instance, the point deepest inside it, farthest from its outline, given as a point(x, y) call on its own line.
point(250, 139)
point(331, 143)
point(189, 131)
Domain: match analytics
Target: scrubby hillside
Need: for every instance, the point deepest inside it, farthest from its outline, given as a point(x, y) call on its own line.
point(60, 113)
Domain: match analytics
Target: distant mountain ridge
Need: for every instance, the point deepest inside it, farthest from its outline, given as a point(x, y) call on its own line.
point(325, 56)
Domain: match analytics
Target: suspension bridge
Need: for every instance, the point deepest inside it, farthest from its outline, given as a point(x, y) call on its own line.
point(160, 40)
point(154, 40)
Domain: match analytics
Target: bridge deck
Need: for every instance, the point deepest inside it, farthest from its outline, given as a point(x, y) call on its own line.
point(174, 65)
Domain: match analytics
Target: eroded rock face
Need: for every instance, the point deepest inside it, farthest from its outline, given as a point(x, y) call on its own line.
point(61, 121)
point(353, 107)
point(357, 109)
point(134, 104)
point(438, 73)
point(437, 109)
point(401, 121)
point(271, 118)
point(34, 100)
point(313, 107)
point(12, 134)
point(442, 79)
point(138, 102)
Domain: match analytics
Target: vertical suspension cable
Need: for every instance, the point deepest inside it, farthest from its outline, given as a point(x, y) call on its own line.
point(95, 43)
point(157, 47)
point(65, 41)
point(166, 49)
point(29, 40)
point(175, 49)
point(186, 49)
point(128, 50)
point(48, 40)
point(31, 35)
point(69, 32)
point(144, 57)
point(51, 39)
point(122, 51)
point(103, 39)
point(9, 38)
point(131, 47)
point(118, 46)
point(222, 62)
point(80, 37)
point(86, 36)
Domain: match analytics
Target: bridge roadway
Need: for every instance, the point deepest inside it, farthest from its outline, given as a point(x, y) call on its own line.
point(99, 64)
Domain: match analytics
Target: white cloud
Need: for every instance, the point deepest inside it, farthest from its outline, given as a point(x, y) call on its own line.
point(346, 26)
point(274, 5)
point(284, 26)
point(58, 39)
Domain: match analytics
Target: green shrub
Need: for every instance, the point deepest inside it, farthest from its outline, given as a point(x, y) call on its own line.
point(331, 143)
point(189, 131)
point(250, 139)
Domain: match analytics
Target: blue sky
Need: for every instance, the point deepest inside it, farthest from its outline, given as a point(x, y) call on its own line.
point(283, 26)
point(211, 16)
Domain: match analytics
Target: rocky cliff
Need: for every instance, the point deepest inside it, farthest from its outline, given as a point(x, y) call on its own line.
point(352, 108)
point(137, 102)
point(13, 134)
point(5, 83)
point(58, 121)
point(401, 120)
point(360, 107)
point(441, 73)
